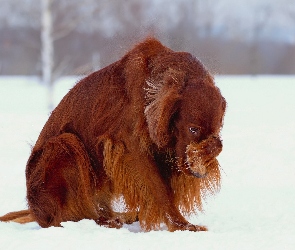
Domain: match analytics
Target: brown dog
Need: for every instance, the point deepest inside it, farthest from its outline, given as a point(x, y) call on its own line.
point(146, 128)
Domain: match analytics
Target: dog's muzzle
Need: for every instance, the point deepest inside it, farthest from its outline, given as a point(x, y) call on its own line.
point(201, 156)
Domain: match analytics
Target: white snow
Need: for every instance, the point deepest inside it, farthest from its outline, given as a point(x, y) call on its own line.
point(255, 208)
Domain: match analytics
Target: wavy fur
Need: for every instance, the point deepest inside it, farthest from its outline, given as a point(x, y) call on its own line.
point(126, 131)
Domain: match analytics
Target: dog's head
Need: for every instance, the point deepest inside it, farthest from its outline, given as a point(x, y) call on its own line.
point(185, 111)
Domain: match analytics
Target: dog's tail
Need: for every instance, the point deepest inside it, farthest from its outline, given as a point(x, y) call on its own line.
point(23, 216)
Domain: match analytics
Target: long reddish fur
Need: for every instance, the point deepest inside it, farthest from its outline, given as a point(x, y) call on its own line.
point(110, 136)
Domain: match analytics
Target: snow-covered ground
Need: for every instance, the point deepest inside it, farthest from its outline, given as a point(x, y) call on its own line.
point(255, 208)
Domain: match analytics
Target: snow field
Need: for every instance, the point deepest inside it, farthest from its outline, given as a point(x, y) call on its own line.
point(255, 208)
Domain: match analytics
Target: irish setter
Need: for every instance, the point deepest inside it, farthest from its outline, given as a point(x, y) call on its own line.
point(145, 128)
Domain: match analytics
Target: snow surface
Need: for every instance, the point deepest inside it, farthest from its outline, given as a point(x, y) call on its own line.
point(255, 208)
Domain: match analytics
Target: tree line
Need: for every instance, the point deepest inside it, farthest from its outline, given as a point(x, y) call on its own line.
point(88, 35)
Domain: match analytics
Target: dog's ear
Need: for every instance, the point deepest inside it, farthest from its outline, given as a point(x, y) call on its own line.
point(162, 98)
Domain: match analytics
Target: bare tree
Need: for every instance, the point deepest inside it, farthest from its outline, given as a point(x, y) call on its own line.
point(57, 25)
point(47, 49)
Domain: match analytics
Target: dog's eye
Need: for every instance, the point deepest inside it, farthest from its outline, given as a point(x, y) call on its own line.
point(194, 130)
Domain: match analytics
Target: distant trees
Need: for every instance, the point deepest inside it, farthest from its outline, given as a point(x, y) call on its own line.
point(56, 38)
